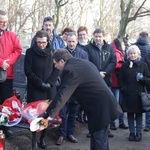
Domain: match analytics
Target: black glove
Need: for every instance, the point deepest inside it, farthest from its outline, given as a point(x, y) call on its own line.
point(124, 90)
point(45, 86)
point(44, 115)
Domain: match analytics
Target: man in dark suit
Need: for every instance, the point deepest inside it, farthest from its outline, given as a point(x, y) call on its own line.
point(81, 79)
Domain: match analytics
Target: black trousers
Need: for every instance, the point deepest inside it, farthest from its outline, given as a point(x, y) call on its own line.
point(99, 140)
point(6, 89)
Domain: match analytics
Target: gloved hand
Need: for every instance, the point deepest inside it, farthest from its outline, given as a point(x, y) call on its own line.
point(139, 77)
point(124, 90)
point(45, 86)
point(44, 115)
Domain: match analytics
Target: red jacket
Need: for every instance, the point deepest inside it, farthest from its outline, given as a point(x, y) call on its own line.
point(120, 61)
point(10, 48)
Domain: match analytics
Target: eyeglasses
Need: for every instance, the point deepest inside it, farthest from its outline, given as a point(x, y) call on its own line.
point(82, 35)
point(43, 43)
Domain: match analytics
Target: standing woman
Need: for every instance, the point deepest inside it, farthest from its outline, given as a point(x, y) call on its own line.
point(40, 72)
point(118, 46)
point(130, 89)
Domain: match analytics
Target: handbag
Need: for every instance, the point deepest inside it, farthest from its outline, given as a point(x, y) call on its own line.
point(3, 75)
point(145, 99)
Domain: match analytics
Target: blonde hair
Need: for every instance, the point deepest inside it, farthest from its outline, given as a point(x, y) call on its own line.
point(133, 48)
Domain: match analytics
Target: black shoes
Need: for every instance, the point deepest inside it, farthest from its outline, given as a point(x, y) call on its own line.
point(146, 128)
point(88, 135)
point(123, 126)
point(113, 127)
point(132, 137)
point(72, 139)
point(110, 135)
point(137, 137)
point(60, 140)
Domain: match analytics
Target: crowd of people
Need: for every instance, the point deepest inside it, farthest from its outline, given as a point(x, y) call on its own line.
point(87, 79)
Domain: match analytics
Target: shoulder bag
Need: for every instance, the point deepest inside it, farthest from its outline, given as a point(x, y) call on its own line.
point(145, 99)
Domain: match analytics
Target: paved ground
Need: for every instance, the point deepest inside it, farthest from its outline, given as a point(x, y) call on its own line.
point(22, 140)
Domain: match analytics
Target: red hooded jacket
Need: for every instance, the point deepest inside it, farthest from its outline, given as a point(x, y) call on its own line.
point(120, 61)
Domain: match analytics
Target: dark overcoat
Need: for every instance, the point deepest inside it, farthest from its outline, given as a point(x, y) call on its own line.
point(38, 67)
point(104, 59)
point(130, 87)
point(82, 79)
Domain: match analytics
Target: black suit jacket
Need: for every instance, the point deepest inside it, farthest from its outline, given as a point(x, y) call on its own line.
point(81, 79)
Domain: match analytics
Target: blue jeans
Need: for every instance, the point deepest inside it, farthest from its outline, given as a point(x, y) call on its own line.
point(138, 119)
point(147, 119)
point(68, 114)
point(118, 97)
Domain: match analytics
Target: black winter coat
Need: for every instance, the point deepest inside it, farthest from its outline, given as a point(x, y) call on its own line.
point(82, 79)
point(130, 87)
point(38, 67)
point(104, 59)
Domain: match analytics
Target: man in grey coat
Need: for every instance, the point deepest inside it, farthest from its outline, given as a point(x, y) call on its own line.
point(81, 79)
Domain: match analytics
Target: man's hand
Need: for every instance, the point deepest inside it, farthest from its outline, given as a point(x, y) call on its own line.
point(45, 86)
point(102, 73)
point(5, 65)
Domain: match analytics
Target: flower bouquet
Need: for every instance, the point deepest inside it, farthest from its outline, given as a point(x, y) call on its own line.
point(10, 112)
point(33, 109)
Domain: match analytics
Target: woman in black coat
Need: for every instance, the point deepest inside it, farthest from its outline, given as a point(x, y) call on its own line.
point(38, 65)
point(131, 88)
point(40, 72)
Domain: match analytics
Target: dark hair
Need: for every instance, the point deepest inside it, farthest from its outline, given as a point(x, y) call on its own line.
point(41, 34)
point(48, 19)
point(118, 44)
point(144, 34)
point(67, 29)
point(82, 28)
point(61, 54)
point(99, 31)
point(2, 12)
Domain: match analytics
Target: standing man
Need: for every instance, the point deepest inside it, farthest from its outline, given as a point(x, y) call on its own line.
point(81, 79)
point(102, 55)
point(10, 51)
point(55, 41)
point(69, 111)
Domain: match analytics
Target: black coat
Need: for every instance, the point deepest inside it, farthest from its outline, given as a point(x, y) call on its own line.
point(82, 79)
point(104, 59)
point(38, 67)
point(130, 87)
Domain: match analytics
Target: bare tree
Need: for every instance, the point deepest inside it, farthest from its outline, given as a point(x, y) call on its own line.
point(59, 4)
point(131, 11)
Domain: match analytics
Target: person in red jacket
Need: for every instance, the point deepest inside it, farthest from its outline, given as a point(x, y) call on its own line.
point(118, 48)
point(10, 51)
